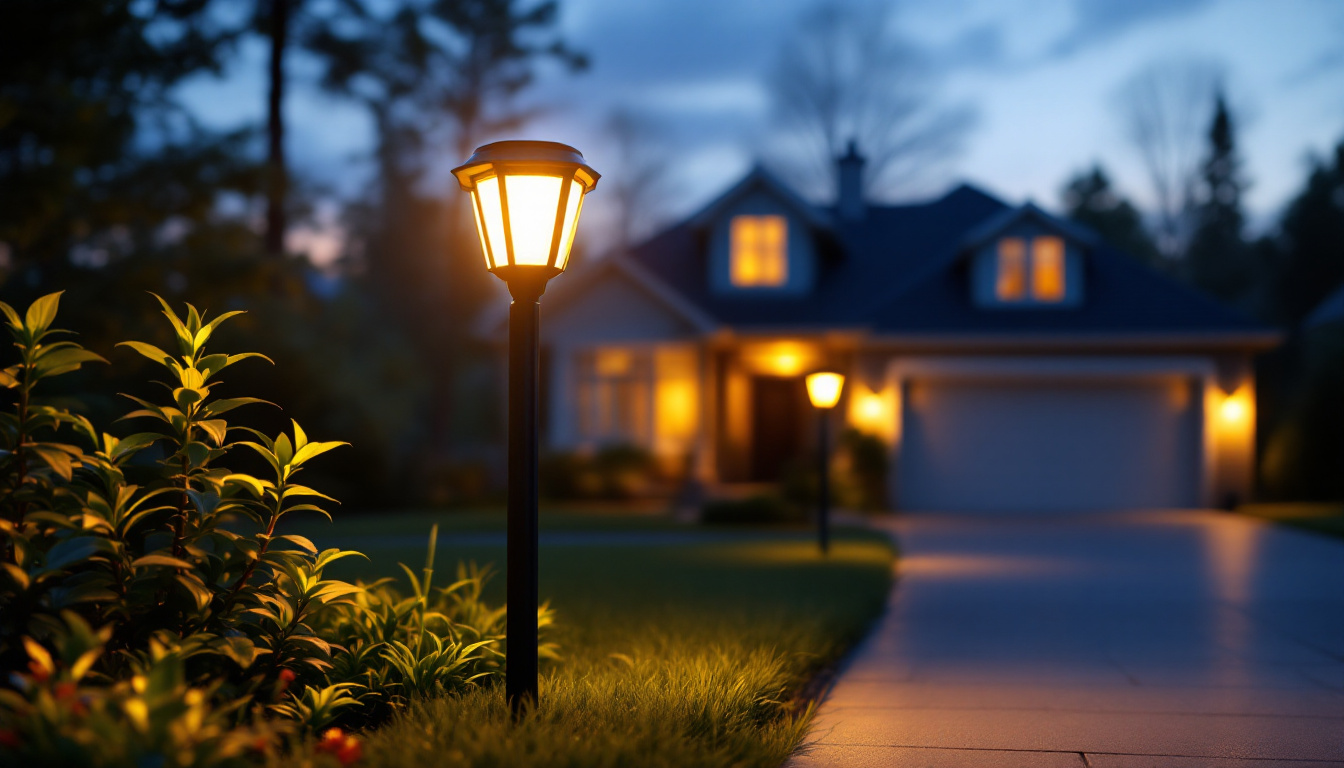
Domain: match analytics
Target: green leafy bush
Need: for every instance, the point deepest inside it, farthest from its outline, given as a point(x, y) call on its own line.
point(761, 509)
point(155, 612)
point(613, 472)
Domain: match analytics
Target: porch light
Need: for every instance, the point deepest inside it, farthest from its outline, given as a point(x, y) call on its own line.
point(823, 389)
point(526, 196)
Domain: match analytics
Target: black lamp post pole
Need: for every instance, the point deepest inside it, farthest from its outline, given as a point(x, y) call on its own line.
point(520, 645)
point(823, 484)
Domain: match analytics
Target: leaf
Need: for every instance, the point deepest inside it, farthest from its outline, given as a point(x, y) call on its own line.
point(7, 379)
point(64, 360)
point(152, 352)
point(228, 404)
point(302, 490)
point(38, 654)
point(188, 396)
point(162, 560)
point(314, 449)
point(257, 487)
point(302, 542)
point(41, 313)
point(74, 550)
point(129, 445)
point(183, 335)
point(58, 460)
point(284, 451)
point(300, 439)
point(197, 453)
point(217, 429)
point(11, 316)
point(203, 335)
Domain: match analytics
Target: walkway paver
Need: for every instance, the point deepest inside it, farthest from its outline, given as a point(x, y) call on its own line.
point(1163, 639)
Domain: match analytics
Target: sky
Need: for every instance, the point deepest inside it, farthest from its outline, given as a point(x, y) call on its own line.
point(1041, 77)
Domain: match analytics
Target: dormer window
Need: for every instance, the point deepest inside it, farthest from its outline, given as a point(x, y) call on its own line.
point(1047, 269)
point(759, 256)
point(1044, 275)
point(1011, 282)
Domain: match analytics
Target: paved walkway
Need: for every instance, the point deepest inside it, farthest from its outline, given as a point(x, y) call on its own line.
point(1144, 640)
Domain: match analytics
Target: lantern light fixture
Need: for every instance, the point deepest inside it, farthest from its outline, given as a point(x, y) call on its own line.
point(823, 388)
point(526, 198)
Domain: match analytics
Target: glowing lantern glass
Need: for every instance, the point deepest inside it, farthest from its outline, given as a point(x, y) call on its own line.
point(823, 388)
point(526, 196)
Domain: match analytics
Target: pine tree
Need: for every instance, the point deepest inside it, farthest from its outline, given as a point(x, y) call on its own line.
point(1090, 200)
point(1219, 260)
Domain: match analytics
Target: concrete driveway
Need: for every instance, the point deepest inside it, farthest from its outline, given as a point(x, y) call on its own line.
point(1137, 640)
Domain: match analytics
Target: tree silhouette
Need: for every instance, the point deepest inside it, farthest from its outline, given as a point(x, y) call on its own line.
point(843, 75)
point(1218, 259)
point(1090, 200)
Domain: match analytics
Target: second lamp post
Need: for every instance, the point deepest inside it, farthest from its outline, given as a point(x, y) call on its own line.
point(526, 196)
point(823, 389)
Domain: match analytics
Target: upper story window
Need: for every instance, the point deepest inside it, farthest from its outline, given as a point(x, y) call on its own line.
point(1047, 269)
point(759, 254)
point(1044, 275)
point(1011, 281)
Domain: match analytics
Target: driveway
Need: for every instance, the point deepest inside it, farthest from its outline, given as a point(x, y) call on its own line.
point(1169, 638)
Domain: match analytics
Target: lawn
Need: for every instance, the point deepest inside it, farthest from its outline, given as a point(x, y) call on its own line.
point(681, 646)
point(1327, 518)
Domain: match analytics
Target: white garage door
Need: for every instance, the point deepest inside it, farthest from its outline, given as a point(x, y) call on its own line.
point(1033, 445)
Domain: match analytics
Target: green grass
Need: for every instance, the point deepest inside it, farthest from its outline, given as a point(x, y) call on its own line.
point(683, 654)
point(1327, 518)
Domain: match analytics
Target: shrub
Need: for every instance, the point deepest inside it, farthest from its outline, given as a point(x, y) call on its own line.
point(613, 472)
point(761, 509)
point(170, 620)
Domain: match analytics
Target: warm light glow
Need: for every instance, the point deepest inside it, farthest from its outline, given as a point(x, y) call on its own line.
point(526, 199)
point(780, 358)
point(870, 407)
point(874, 412)
point(1233, 410)
point(1010, 284)
point(612, 362)
point(1047, 269)
point(759, 251)
point(676, 396)
point(823, 388)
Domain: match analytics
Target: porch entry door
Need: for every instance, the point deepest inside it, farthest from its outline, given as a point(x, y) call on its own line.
point(779, 409)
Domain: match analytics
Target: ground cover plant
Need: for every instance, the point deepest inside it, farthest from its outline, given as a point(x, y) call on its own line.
point(694, 652)
point(156, 611)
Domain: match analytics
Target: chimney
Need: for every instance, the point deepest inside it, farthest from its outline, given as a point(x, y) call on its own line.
point(849, 198)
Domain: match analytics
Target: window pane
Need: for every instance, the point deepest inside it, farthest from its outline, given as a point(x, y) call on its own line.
point(487, 194)
point(1047, 269)
point(1010, 283)
point(759, 251)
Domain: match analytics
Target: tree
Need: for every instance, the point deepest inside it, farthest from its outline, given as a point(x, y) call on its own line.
point(1162, 109)
point(95, 155)
point(1090, 200)
point(1311, 264)
point(638, 177)
point(1218, 259)
point(842, 75)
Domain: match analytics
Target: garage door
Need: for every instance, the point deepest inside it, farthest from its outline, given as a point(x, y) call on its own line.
point(1033, 445)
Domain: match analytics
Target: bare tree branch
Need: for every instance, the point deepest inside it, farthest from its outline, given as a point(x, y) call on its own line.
point(843, 74)
point(1163, 110)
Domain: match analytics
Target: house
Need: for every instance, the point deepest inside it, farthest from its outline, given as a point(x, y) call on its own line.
point(1010, 360)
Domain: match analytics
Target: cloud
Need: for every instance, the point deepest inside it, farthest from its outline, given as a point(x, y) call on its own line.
point(1100, 21)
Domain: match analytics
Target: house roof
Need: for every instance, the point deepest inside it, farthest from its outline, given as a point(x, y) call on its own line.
point(902, 270)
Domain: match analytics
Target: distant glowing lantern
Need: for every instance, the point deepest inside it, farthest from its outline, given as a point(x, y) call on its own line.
point(823, 388)
point(527, 196)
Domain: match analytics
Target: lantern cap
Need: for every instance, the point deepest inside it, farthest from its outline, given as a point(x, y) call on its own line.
point(519, 155)
point(824, 387)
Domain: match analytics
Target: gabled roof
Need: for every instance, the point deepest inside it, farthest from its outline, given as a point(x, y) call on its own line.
point(901, 270)
point(761, 178)
point(995, 225)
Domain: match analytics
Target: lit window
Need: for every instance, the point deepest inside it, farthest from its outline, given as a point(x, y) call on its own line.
point(1011, 282)
point(615, 394)
point(1047, 269)
point(759, 251)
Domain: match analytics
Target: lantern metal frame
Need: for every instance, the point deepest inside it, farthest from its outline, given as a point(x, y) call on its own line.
point(527, 282)
point(503, 159)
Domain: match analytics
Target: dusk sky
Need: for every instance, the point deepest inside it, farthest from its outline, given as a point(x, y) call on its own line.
point(1041, 77)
